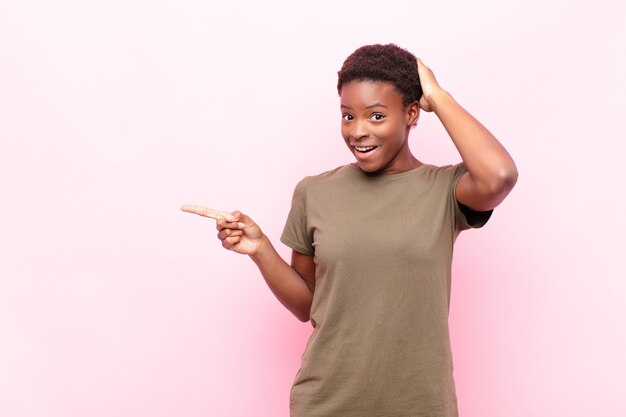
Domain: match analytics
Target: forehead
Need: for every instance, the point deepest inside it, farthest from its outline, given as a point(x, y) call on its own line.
point(364, 93)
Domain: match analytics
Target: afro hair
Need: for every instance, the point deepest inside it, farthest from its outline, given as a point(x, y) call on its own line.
point(388, 63)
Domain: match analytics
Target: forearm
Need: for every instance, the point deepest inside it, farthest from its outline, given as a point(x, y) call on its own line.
point(286, 284)
point(486, 159)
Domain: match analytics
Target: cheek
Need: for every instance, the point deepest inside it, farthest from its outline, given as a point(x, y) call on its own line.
point(345, 132)
point(391, 132)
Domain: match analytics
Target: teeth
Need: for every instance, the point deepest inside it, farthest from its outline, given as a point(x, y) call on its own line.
point(363, 148)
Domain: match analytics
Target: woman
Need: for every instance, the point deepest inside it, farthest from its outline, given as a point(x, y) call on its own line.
point(372, 245)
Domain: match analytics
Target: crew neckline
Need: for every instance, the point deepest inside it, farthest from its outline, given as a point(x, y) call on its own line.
point(390, 176)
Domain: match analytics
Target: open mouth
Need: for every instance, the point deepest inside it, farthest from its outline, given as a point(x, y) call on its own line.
point(364, 149)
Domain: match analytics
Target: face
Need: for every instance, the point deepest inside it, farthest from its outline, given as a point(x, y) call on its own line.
point(376, 127)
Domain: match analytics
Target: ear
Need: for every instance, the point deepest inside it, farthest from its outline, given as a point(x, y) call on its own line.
point(412, 113)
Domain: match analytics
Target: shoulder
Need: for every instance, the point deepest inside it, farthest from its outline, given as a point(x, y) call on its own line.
point(444, 174)
point(335, 174)
point(448, 169)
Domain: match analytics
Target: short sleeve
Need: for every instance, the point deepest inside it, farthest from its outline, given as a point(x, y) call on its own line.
point(465, 217)
point(296, 233)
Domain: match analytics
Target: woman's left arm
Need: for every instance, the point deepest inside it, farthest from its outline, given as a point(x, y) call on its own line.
point(492, 172)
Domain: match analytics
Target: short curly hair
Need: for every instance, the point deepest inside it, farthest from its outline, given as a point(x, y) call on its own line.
point(383, 63)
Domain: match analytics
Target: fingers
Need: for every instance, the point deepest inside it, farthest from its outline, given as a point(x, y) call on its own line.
point(207, 212)
point(422, 68)
point(225, 233)
point(243, 219)
point(230, 233)
point(223, 224)
point(229, 242)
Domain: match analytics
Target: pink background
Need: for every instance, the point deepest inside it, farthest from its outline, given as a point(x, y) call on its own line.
point(115, 113)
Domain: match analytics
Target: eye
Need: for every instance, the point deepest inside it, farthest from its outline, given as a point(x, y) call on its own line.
point(378, 116)
point(346, 116)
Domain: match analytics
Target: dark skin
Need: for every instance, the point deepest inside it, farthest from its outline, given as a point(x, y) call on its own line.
point(373, 116)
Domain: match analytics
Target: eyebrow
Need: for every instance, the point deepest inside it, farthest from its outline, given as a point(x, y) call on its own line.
point(367, 107)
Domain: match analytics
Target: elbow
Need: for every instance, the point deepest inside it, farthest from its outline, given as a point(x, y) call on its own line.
point(510, 177)
point(509, 180)
point(506, 180)
point(495, 191)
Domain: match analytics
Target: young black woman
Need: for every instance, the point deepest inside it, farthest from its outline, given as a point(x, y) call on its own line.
point(372, 245)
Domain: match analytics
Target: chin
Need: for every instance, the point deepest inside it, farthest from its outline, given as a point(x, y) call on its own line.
point(369, 168)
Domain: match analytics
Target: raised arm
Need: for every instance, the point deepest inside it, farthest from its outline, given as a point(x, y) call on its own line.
point(492, 172)
point(239, 233)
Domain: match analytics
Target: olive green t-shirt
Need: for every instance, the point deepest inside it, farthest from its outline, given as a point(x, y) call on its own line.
point(382, 247)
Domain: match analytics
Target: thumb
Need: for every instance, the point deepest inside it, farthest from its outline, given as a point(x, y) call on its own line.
point(240, 217)
point(237, 216)
point(230, 217)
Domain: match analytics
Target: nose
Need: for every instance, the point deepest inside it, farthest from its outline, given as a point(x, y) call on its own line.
point(359, 131)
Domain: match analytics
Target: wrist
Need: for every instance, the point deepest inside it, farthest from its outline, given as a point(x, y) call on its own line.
point(439, 99)
point(262, 248)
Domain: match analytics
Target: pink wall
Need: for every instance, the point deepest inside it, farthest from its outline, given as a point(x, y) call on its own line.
point(114, 113)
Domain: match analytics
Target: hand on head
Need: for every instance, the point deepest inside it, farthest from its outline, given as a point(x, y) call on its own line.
point(430, 86)
point(236, 230)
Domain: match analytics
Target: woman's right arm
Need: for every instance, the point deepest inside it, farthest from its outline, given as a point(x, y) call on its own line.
point(293, 284)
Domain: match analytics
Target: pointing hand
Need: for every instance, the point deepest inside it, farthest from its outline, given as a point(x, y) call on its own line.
point(237, 231)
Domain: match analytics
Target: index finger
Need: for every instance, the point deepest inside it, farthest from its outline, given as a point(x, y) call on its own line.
point(205, 212)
